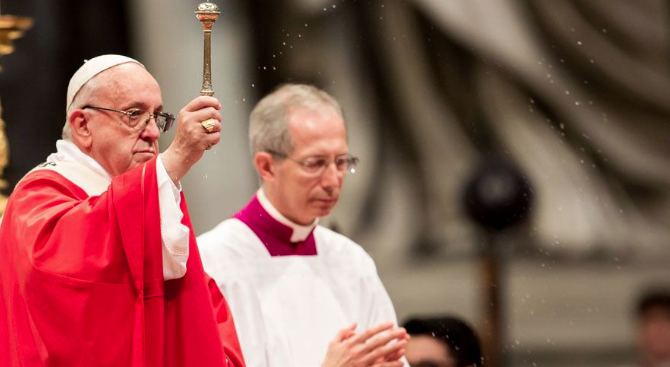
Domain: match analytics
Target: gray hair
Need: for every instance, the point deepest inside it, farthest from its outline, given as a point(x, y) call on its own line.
point(87, 92)
point(268, 124)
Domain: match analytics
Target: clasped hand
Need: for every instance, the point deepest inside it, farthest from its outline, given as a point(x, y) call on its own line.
point(379, 346)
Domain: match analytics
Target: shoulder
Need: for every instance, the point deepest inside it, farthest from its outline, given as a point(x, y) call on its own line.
point(335, 245)
point(229, 238)
point(230, 251)
point(45, 181)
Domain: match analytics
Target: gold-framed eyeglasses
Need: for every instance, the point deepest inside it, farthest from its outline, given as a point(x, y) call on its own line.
point(344, 163)
point(138, 118)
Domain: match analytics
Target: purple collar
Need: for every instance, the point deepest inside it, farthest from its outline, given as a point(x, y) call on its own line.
point(275, 236)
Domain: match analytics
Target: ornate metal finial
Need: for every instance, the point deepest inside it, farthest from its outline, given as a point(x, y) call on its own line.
point(11, 28)
point(207, 14)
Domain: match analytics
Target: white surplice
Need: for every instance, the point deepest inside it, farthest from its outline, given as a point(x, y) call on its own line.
point(287, 309)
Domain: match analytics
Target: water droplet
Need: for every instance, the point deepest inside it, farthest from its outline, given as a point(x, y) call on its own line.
point(579, 43)
point(577, 103)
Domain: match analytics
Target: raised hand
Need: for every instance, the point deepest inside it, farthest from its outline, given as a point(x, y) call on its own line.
point(192, 138)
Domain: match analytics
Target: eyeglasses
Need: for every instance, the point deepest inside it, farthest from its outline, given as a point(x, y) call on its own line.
point(317, 165)
point(136, 116)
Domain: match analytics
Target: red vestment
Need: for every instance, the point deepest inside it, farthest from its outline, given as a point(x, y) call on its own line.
point(81, 281)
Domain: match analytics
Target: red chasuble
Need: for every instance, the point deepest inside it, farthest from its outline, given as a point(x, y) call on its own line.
point(81, 281)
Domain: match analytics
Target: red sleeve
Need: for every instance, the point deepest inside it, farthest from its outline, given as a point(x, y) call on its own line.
point(71, 294)
point(66, 232)
point(82, 285)
point(224, 320)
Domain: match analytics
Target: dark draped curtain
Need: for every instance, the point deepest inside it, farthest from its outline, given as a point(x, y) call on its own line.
point(573, 93)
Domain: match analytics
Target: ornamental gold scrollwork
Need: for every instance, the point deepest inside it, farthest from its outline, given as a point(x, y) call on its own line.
point(11, 28)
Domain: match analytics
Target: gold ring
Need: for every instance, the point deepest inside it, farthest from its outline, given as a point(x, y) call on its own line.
point(208, 125)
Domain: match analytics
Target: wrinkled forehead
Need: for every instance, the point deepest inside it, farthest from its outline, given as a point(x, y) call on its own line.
point(321, 117)
point(125, 80)
point(311, 128)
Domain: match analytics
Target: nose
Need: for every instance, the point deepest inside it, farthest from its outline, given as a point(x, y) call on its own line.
point(331, 177)
point(151, 131)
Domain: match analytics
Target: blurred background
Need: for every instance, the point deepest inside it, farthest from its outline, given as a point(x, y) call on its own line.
point(464, 113)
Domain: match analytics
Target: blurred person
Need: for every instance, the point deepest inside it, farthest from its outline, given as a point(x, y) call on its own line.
point(302, 295)
point(99, 262)
point(653, 329)
point(442, 342)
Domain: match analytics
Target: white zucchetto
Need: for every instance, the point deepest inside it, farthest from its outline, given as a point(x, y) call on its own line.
point(92, 68)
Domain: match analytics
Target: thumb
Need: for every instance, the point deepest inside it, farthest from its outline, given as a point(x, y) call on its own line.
point(345, 333)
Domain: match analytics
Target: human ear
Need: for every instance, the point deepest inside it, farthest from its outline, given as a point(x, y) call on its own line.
point(264, 163)
point(81, 132)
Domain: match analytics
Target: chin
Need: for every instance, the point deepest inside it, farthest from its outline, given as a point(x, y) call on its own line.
point(143, 157)
point(322, 212)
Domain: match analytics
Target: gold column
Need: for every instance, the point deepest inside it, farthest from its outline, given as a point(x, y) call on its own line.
point(207, 14)
point(11, 28)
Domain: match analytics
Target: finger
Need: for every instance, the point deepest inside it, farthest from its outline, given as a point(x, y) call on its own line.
point(385, 352)
point(215, 126)
point(368, 333)
point(345, 333)
point(202, 115)
point(202, 102)
point(212, 139)
point(395, 356)
point(389, 364)
point(383, 339)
